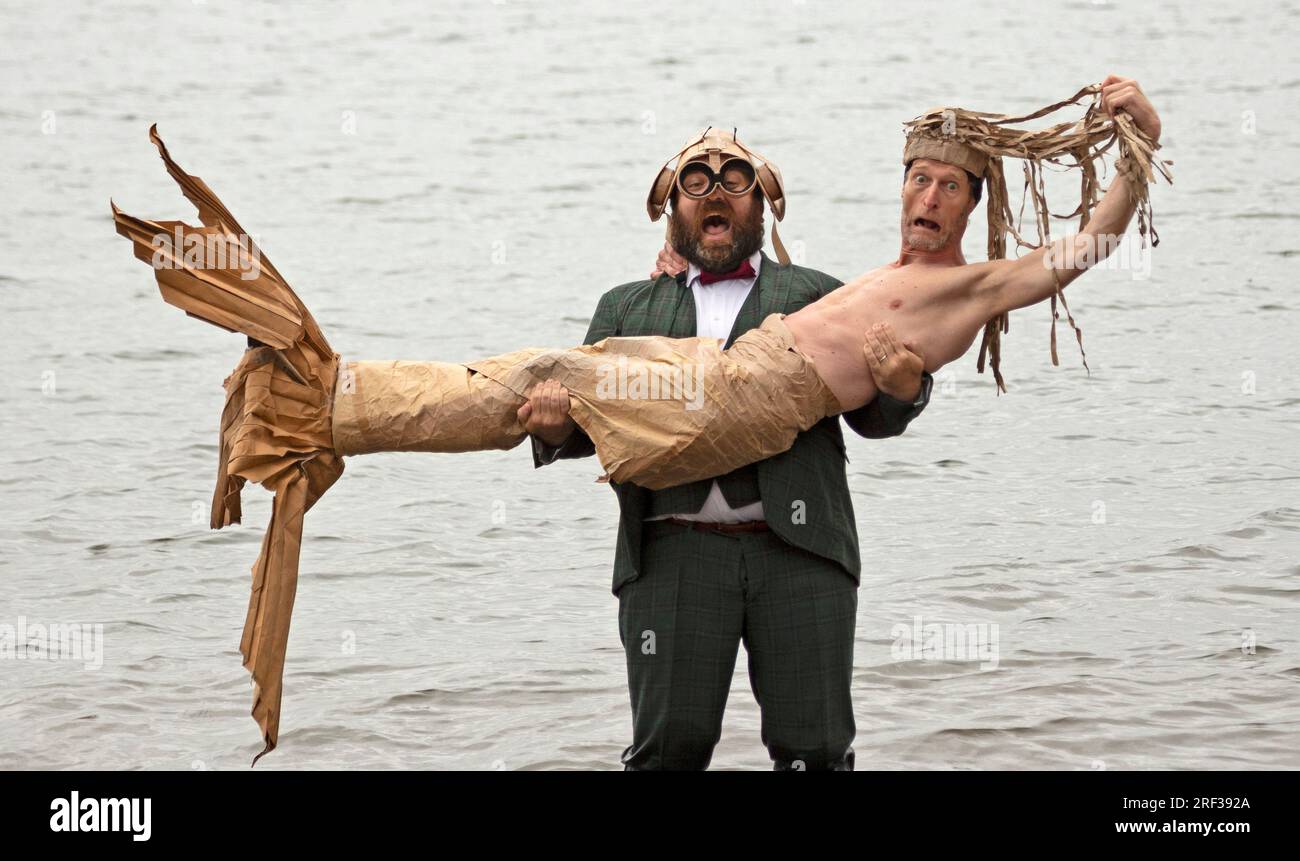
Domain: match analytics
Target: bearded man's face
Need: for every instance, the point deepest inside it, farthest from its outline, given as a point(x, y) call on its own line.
point(719, 231)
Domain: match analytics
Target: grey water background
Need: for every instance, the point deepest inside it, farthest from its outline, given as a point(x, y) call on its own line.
point(448, 181)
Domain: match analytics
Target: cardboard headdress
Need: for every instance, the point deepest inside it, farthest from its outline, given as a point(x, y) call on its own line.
point(715, 147)
point(977, 141)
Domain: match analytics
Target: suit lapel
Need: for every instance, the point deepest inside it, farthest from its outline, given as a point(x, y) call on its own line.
point(683, 323)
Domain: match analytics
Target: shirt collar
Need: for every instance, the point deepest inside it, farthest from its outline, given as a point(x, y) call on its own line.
point(755, 260)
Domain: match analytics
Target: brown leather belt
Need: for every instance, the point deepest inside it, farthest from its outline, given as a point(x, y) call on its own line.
point(720, 528)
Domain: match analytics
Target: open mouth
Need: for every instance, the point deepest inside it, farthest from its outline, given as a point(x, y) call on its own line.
point(715, 225)
point(925, 224)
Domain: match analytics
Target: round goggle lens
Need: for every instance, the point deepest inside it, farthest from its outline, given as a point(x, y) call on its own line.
point(698, 179)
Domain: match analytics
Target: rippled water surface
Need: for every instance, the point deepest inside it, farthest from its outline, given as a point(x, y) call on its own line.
point(446, 181)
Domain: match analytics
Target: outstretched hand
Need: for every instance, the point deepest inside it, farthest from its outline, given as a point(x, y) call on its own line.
point(895, 367)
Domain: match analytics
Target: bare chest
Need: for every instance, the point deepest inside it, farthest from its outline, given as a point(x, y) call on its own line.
point(912, 302)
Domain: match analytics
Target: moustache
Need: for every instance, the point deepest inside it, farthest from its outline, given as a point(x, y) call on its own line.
point(718, 208)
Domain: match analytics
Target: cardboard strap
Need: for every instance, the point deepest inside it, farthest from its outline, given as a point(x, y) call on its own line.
point(781, 256)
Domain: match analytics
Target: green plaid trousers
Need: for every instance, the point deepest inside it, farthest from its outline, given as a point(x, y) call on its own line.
point(698, 597)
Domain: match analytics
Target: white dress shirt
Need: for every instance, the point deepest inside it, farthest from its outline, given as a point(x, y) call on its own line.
point(716, 307)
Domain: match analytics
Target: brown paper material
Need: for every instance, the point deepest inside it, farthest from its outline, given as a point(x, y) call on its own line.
point(949, 151)
point(660, 412)
point(275, 427)
point(422, 406)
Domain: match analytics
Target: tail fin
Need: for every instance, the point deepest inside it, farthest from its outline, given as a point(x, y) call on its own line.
point(216, 272)
point(276, 424)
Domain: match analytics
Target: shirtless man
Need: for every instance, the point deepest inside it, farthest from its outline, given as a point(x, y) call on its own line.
point(930, 298)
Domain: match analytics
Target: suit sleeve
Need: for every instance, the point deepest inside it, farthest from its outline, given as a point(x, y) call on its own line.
point(604, 324)
point(884, 416)
point(887, 416)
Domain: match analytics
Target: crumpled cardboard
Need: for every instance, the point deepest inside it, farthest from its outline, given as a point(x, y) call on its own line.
point(668, 411)
point(660, 412)
point(422, 406)
point(275, 426)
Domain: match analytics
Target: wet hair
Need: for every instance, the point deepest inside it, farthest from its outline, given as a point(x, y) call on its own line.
point(976, 182)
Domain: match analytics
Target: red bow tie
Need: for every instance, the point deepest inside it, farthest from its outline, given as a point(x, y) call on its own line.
point(744, 270)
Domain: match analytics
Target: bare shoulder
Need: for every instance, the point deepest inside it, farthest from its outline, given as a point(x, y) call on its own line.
point(954, 281)
point(869, 278)
point(926, 282)
point(914, 275)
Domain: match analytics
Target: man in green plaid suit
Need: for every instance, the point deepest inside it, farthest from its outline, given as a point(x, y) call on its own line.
point(768, 554)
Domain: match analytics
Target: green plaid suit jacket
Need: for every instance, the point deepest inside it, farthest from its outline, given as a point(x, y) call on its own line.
point(804, 490)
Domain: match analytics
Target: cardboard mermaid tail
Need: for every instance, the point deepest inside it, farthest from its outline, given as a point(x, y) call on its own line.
point(275, 426)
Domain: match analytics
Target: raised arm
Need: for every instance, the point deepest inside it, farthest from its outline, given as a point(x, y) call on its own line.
point(1005, 285)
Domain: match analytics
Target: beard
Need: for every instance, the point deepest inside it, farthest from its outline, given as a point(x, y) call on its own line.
point(687, 239)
